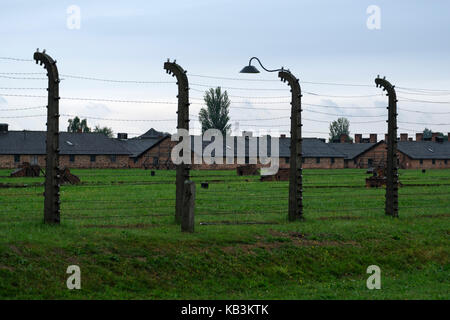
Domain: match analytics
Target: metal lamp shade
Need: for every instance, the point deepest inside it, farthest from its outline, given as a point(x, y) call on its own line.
point(249, 69)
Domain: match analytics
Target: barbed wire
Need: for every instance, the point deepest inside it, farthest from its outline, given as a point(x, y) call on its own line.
point(116, 81)
point(423, 89)
point(424, 93)
point(346, 115)
point(24, 116)
point(23, 73)
point(339, 96)
point(19, 88)
point(238, 88)
point(23, 108)
point(339, 107)
point(354, 122)
point(425, 123)
point(219, 78)
point(15, 59)
point(278, 89)
point(246, 97)
point(120, 120)
point(22, 78)
point(422, 101)
point(22, 95)
point(422, 112)
point(119, 101)
point(253, 119)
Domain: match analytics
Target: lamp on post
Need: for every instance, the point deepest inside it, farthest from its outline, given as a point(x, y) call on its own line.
point(295, 170)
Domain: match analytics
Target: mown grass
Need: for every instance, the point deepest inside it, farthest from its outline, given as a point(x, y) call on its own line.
point(118, 227)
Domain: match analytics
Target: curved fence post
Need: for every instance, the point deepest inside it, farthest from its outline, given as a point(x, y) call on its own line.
point(182, 171)
point(52, 201)
point(295, 171)
point(392, 162)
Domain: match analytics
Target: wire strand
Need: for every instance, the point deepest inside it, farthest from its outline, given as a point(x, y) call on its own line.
point(15, 59)
point(116, 81)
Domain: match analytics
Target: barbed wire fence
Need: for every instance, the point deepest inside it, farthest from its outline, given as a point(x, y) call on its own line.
point(229, 199)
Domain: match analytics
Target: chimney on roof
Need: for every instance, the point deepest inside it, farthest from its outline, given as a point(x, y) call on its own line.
point(410, 139)
point(358, 137)
point(433, 136)
point(419, 136)
point(122, 136)
point(448, 136)
point(3, 127)
point(403, 137)
point(343, 138)
point(282, 135)
point(373, 138)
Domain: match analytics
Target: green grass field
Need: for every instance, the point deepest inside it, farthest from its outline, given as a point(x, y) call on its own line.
point(118, 226)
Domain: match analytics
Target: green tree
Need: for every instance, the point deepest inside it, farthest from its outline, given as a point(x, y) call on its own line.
point(338, 127)
point(215, 115)
point(77, 125)
point(427, 133)
point(105, 130)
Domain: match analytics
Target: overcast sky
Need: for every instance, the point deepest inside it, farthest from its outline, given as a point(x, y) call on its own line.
point(319, 41)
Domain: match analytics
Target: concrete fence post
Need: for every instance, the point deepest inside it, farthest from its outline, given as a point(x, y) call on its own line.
point(182, 170)
point(187, 220)
point(51, 201)
point(391, 207)
point(295, 163)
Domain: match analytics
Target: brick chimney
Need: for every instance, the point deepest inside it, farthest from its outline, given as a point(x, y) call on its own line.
point(122, 136)
point(419, 136)
point(433, 136)
point(358, 137)
point(403, 137)
point(343, 138)
point(373, 138)
point(3, 127)
point(385, 137)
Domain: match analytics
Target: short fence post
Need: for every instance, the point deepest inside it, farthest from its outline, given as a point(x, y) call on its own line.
point(51, 201)
point(187, 221)
point(295, 171)
point(182, 170)
point(392, 162)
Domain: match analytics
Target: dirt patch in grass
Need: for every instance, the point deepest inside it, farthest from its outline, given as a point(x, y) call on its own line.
point(3, 267)
point(20, 185)
point(124, 226)
point(339, 218)
point(291, 234)
point(302, 239)
point(291, 238)
point(437, 215)
point(215, 223)
point(15, 249)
